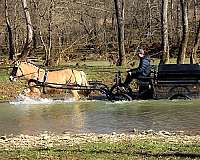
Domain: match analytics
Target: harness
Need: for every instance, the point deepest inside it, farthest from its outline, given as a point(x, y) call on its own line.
point(75, 78)
point(45, 76)
point(14, 72)
point(70, 78)
point(42, 83)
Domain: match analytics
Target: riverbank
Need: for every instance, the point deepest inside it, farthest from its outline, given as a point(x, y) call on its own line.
point(137, 145)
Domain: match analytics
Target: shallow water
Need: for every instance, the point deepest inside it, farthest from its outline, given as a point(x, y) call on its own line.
point(33, 117)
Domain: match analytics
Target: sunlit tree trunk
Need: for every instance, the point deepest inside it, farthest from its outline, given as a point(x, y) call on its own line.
point(185, 33)
point(196, 29)
point(119, 7)
point(196, 46)
point(165, 39)
point(29, 37)
point(50, 22)
point(195, 17)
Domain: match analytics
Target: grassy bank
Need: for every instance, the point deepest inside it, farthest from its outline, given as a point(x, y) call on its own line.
point(106, 151)
point(96, 146)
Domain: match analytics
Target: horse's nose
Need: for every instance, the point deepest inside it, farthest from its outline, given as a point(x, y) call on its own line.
point(11, 78)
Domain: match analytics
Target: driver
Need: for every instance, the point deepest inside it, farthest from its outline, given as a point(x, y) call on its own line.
point(142, 70)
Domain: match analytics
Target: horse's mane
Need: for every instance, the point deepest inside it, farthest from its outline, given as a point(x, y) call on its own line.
point(33, 65)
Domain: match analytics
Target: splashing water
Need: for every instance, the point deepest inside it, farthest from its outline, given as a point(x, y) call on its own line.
point(21, 99)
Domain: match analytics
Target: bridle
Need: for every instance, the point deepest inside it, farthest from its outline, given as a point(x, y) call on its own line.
point(13, 75)
point(14, 71)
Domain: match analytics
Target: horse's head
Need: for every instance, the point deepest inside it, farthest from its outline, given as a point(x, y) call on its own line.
point(23, 69)
point(16, 71)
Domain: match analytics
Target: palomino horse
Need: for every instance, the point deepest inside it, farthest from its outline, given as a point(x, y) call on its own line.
point(31, 72)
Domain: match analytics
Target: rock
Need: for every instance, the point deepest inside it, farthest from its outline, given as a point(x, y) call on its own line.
point(135, 131)
point(3, 137)
point(164, 133)
point(114, 133)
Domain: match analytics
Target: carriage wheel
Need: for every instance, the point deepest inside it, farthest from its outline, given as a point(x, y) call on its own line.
point(121, 92)
point(104, 89)
point(180, 96)
point(121, 97)
point(179, 92)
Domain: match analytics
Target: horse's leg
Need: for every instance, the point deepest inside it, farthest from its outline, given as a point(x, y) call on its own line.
point(75, 94)
point(33, 91)
point(29, 93)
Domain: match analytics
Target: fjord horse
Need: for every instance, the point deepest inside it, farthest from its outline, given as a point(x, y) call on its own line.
point(29, 71)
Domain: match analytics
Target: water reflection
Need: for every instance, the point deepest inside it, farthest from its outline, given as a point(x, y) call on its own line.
point(99, 116)
point(37, 118)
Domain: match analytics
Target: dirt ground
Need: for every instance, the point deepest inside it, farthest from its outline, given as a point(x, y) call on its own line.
point(9, 91)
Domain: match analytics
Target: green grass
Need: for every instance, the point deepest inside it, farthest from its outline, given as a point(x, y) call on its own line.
point(4, 75)
point(125, 150)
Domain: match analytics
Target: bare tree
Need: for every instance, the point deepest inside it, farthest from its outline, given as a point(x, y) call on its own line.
point(195, 17)
point(196, 29)
point(119, 7)
point(29, 36)
point(165, 43)
point(193, 58)
point(48, 54)
point(86, 29)
point(185, 32)
point(11, 50)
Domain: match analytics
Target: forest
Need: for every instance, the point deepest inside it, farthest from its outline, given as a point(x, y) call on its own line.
point(58, 31)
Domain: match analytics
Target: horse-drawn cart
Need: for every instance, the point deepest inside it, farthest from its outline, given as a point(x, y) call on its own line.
point(166, 81)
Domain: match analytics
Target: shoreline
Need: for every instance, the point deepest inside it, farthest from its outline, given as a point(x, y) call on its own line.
point(48, 139)
point(152, 145)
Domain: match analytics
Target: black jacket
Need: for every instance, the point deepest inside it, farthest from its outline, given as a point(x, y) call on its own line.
point(144, 66)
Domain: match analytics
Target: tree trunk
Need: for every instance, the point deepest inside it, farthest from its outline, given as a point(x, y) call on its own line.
point(48, 55)
point(150, 20)
point(196, 45)
point(195, 20)
point(29, 38)
point(165, 39)
point(11, 50)
point(185, 35)
point(178, 25)
point(119, 8)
